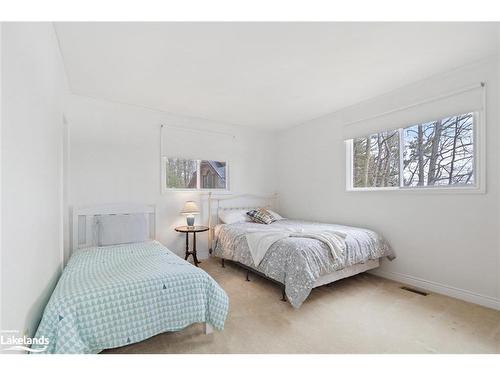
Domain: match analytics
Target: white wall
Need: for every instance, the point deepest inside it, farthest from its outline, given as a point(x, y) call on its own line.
point(114, 154)
point(448, 243)
point(1, 127)
point(33, 92)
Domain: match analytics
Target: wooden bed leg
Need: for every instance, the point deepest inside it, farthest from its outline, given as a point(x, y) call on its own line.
point(208, 329)
point(283, 295)
point(222, 262)
point(248, 273)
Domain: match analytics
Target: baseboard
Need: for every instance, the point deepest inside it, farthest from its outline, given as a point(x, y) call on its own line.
point(491, 302)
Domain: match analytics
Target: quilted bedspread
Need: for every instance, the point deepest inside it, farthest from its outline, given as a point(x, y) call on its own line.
point(117, 295)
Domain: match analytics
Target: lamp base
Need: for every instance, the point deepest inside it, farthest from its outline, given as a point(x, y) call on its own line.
point(190, 221)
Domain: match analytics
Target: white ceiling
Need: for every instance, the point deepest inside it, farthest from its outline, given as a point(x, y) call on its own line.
point(269, 75)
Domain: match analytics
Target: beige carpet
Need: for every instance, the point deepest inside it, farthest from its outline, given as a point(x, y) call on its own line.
point(362, 314)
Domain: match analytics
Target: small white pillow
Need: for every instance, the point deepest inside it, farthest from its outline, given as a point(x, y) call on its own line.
point(276, 215)
point(233, 216)
point(118, 229)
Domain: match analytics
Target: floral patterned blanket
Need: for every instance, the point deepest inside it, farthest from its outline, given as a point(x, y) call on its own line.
point(298, 262)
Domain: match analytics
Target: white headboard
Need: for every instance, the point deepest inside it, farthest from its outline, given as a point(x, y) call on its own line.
point(215, 203)
point(83, 224)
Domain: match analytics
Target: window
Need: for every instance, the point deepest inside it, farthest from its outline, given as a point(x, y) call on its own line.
point(213, 174)
point(438, 153)
point(194, 174)
point(376, 160)
point(181, 173)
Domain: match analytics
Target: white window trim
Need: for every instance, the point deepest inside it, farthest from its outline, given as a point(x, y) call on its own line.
point(165, 189)
point(479, 187)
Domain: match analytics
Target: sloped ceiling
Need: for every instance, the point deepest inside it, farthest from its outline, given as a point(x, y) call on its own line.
point(267, 75)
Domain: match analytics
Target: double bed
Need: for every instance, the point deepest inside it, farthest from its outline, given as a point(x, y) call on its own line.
point(298, 264)
point(118, 294)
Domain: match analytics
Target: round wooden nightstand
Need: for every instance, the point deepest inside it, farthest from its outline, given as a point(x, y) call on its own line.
point(194, 230)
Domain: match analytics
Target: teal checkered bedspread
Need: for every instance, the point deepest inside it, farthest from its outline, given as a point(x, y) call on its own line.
point(117, 295)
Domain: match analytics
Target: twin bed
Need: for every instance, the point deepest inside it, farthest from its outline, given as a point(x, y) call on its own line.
point(112, 295)
point(121, 286)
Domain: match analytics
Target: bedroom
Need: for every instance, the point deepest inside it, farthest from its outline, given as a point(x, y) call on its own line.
point(250, 188)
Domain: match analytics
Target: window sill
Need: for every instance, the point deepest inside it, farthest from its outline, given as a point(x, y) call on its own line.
point(425, 190)
point(185, 190)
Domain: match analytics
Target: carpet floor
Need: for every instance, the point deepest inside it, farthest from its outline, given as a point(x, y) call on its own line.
point(361, 314)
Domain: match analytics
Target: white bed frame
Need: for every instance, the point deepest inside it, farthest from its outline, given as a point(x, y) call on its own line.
point(84, 221)
point(84, 234)
point(216, 203)
point(248, 201)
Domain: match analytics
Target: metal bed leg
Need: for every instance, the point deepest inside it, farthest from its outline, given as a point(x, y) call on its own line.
point(283, 295)
point(222, 262)
point(248, 273)
point(208, 329)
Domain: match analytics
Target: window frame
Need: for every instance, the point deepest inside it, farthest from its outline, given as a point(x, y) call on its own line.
point(479, 186)
point(166, 189)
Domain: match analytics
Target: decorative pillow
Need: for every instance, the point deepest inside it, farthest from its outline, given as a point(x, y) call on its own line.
point(230, 216)
point(261, 216)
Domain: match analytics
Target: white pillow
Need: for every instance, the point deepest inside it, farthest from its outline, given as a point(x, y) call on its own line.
point(234, 216)
point(276, 215)
point(118, 229)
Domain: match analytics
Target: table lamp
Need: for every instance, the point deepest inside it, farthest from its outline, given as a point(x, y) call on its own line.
point(190, 209)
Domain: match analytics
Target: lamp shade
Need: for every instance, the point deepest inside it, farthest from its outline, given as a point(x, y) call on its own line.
point(190, 208)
